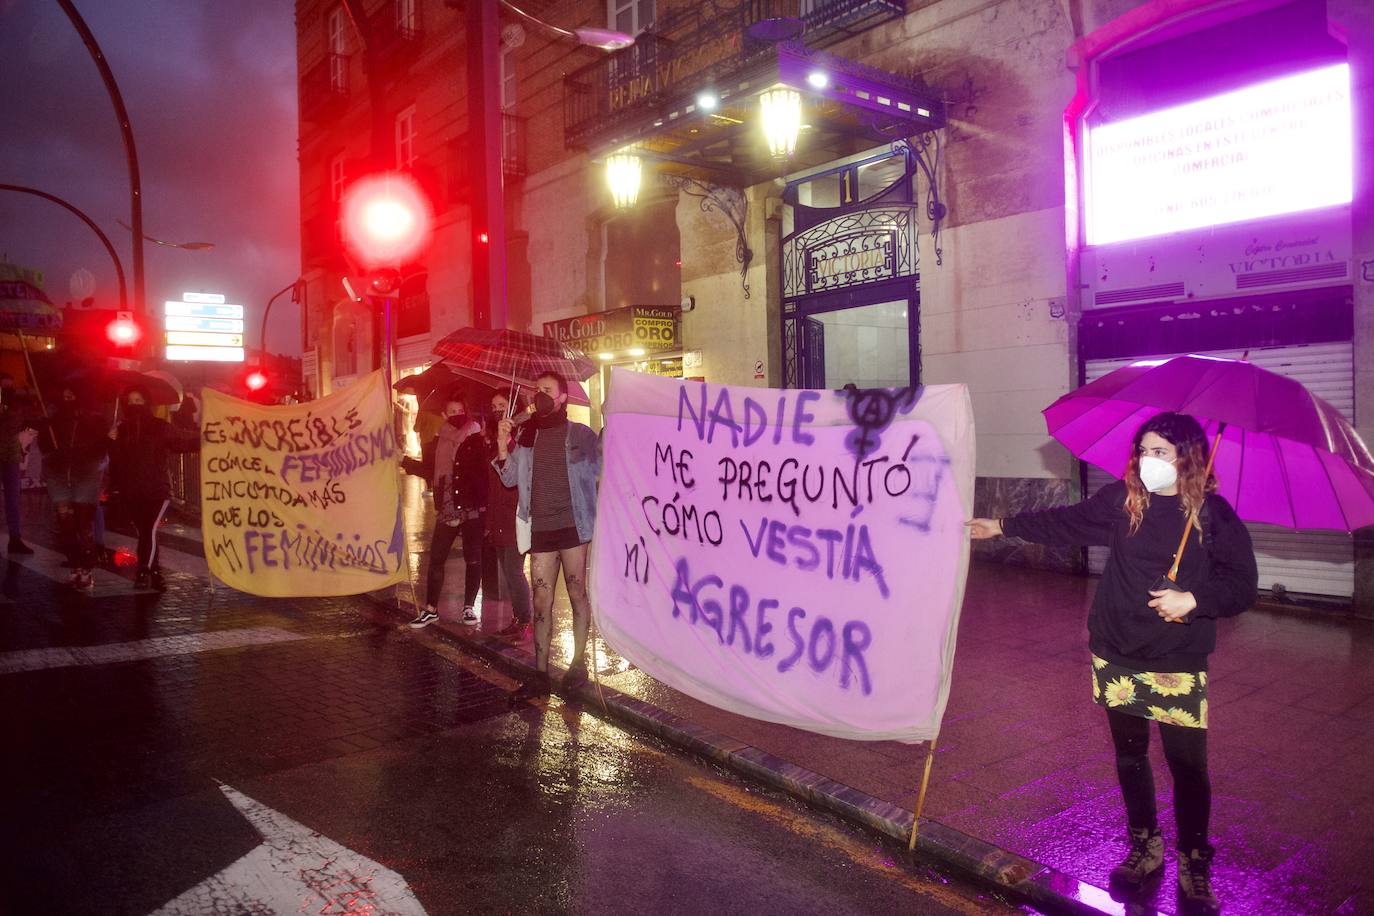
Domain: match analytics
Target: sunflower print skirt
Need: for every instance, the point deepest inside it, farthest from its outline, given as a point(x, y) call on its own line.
point(1173, 697)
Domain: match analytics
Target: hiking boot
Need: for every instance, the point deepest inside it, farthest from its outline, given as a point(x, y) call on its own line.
point(576, 675)
point(537, 686)
point(470, 618)
point(427, 616)
point(1145, 858)
point(18, 547)
point(1195, 882)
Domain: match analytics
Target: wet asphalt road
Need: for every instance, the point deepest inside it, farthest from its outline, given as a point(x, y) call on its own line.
point(318, 755)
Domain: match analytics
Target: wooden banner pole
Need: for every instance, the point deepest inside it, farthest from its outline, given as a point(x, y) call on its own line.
point(921, 796)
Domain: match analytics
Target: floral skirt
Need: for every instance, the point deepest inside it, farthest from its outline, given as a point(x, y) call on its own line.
point(1172, 697)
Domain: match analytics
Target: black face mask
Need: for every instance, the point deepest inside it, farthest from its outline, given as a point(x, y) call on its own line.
point(543, 404)
point(136, 410)
point(458, 421)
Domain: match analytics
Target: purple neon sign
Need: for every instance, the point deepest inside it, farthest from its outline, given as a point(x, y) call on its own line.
point(1281, 146)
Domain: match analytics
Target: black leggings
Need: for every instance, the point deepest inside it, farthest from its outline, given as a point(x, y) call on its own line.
point(1185, 749)
point(146, 514)
point(439, 546)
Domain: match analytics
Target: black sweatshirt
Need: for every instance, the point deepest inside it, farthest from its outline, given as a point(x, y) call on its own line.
point(1219, 569)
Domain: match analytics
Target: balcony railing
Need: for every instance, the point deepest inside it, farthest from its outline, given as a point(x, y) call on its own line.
point(696, 44)
point(396, 42)
point(324, 90)
point(514, 164)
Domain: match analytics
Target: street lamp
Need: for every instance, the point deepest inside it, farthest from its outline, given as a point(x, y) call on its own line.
point(605, 39)
point(781, 108)
point(623, 174)
point(189, 246)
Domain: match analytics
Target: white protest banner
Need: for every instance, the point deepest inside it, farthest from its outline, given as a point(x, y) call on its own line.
point(793, 556)
point(302, 500)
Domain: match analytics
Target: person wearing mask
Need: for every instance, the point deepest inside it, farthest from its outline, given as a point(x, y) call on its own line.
point(555, 465)
point(1151, 638)
point(502, 504)
point(74, 444)
point(139, 476)
point(448, 515)
point(12, 422)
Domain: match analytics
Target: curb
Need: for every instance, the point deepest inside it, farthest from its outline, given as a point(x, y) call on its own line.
point(1028, 880)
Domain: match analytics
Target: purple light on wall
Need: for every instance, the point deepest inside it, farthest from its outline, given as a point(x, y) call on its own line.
point(1281, 146)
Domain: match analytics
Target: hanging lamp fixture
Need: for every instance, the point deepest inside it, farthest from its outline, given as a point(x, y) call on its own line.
point(624, 171)
point(781, 108)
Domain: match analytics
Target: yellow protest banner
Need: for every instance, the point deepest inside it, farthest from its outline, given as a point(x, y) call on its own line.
point(302, 500)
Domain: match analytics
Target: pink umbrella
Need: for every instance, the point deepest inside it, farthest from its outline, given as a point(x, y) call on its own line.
point(1285, 457)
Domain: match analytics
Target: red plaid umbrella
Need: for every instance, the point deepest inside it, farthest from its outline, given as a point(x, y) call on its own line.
point(513, 354)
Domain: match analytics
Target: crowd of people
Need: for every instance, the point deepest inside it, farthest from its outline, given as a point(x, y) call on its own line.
point(512, 480)
point(91, 462)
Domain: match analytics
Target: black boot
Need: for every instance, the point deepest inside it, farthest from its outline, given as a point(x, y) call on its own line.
point(18, 547)
point(537, 686)
point(1145, 858)
point(1195, 882)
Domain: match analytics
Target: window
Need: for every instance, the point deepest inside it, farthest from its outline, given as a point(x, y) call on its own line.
point(630, 16)
point(407, 21)
point(507, 61)
point(336, 26)
point(336, 178)
point(405, 138)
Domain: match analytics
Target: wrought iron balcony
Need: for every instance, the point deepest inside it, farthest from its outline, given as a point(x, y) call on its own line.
point(700, 44)
point(395, 42)
point(324, 89)
point(514, 164)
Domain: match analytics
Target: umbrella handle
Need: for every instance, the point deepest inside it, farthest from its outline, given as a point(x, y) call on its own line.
point(37, 390)
point(1192, 516)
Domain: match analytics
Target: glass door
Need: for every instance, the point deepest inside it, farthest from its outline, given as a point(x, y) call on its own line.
point(867, 345)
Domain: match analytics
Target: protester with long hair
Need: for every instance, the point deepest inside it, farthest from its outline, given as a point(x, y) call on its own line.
point(555, 465)
point(450, 516)
point(74, 444)
point(1150, 639)
point(140, 480)
point(502, 504)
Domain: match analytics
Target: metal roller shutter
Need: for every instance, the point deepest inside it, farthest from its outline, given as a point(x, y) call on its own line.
point(1304, 562)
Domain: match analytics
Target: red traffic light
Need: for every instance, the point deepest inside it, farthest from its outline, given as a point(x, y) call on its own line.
point(387, 220)
point(483, 238)
point(124, 331)
point(256, 380)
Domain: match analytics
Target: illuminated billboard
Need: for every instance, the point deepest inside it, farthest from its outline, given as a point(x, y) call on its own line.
point(1281, 146)
point(202, 327)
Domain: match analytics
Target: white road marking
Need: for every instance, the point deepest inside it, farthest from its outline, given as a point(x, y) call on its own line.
point(295, 870)
point(156, 647)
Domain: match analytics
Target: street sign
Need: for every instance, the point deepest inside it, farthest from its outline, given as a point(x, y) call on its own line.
point(203, 327)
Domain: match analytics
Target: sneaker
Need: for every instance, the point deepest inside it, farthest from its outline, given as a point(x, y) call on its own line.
point(537, 686)
point(514, 630)
point(470, 618)
point(82, 580)
point(427, 616)
point(155, 581)
point(1145, 858)
point(19, 547)
point(1195, 882)
point(576, 675)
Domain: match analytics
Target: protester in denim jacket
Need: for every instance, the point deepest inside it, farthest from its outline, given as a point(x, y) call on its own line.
point(555, 465)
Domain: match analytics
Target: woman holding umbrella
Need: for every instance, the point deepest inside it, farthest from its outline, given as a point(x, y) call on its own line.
point(139, 477)
point(1150, 639)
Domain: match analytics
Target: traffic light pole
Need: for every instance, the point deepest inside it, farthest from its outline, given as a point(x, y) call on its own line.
point(484, 136)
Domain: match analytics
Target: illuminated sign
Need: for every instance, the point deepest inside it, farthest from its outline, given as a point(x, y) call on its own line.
point(635, 327)
point(1282, 146)
point(202, 327)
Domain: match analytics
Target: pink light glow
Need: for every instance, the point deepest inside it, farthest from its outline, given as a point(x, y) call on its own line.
point(1282, 146)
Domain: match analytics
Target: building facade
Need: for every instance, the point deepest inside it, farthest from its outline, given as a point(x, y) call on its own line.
point(953, 210)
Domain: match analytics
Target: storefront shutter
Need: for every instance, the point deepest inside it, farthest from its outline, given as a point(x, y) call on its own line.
point(1304, 562)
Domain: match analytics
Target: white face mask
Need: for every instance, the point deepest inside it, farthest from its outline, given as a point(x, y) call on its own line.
point(1157, 474)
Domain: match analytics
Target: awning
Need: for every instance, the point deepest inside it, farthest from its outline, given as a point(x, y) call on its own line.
point(649, 95)
point(23, 304)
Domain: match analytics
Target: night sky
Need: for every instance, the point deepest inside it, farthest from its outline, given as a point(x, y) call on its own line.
point(211, 92)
